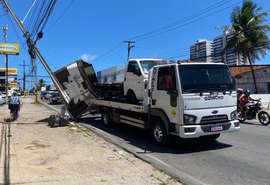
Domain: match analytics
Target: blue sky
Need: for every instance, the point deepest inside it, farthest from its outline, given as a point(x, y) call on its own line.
point(95, 30)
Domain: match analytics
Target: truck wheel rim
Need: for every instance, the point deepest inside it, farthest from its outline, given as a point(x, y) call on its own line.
point(158, 134)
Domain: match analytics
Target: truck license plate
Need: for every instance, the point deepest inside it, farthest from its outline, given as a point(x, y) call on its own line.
point(216, 128)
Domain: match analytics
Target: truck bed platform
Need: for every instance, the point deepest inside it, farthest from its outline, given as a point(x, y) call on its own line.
point(121, 105)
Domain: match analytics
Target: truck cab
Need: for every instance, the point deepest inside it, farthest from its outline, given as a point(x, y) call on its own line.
point(192, 100)
point(136, 78)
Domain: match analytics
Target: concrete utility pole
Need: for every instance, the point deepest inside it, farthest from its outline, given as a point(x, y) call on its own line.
point(129, 47)
point(5, 28)
point(24, 77)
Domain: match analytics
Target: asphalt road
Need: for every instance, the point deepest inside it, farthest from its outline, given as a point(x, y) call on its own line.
point(240, 158)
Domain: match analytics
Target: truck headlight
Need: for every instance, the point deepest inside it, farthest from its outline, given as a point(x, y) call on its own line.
point(234, 115)
point(189, 119)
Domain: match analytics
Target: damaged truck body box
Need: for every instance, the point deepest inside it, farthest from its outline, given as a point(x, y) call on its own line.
point(78, 81)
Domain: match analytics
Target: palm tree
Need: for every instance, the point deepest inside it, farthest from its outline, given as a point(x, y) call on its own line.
point(250, 35)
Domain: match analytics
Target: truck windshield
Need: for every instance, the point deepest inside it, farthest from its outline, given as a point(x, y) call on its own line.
point(205, 78)
point(148, 64)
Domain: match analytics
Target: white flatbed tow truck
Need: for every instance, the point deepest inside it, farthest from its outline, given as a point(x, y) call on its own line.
point(189, 100)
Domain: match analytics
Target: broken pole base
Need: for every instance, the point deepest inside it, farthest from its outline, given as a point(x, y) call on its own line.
point(56, 121)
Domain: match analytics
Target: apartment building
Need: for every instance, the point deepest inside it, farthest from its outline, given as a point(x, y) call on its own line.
point(201, 51)
point(229, 57)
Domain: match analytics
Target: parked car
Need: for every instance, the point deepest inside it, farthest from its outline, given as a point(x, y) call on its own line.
point(55, 98)
point(43, 95)
point(48, 94)
point(2, 99)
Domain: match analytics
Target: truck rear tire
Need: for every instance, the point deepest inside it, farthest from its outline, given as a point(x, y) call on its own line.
point(160, 135)
point(131, 97)
point(106, 117)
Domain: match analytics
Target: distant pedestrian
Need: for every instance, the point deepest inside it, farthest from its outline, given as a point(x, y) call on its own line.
point(14, 105)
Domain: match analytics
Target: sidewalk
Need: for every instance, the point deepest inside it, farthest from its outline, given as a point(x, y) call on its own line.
point(33, 153)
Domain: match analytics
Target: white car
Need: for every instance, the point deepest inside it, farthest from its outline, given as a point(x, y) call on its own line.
point(2, 99)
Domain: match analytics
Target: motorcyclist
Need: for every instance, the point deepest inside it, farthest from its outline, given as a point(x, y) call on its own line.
point(14, 105)
point(244, 100)
point(240, 92)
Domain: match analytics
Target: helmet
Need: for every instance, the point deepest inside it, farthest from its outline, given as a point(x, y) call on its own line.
point(239, 90)
point(247, 92)
point(14, 93)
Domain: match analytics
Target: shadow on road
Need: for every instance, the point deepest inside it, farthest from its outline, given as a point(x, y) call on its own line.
point(250, 123)
point(143, 140)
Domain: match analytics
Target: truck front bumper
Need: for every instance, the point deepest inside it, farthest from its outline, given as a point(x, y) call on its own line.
point(194, 131)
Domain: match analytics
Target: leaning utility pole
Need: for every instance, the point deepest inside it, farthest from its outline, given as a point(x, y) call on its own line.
point(129, 47)
point(33, 51)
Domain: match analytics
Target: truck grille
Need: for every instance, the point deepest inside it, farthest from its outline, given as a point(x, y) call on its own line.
point(214, 119)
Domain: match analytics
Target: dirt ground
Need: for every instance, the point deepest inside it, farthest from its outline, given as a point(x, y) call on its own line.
point(34, 153)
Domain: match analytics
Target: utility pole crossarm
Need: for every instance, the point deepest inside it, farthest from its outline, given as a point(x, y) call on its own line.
point(129, 47)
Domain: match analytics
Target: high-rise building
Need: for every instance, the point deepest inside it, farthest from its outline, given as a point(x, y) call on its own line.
point(229, 57)
point(201, 51)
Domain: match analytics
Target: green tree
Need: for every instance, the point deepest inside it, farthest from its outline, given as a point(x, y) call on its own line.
point(41, 83)
point(250, 34)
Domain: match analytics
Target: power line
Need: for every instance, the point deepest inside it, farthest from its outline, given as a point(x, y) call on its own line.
point(39, 18)
point(179, 24)
point(110, 52)
point(61, 15)
point(180, 21)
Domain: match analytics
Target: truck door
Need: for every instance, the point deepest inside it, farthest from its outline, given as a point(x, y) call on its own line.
point(134, 80)
point(165, 93)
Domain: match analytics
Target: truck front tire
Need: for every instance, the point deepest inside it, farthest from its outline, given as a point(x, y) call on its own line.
point(159, 133)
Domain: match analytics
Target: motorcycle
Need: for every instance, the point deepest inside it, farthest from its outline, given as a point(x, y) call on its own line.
point(14, 112)
point(255, 108)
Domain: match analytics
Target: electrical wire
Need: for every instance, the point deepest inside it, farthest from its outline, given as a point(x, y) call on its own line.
point(39, 17)
point(61, 15)
point(181, 21)
point(180, 24)
point(109, 52)
point(16, 32)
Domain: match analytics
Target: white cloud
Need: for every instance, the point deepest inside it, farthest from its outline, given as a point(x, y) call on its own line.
point(88, 57)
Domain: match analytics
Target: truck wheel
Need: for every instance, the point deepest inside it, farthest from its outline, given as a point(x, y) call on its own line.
point(131, 97)
point(160, 134)
point(106, 118)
